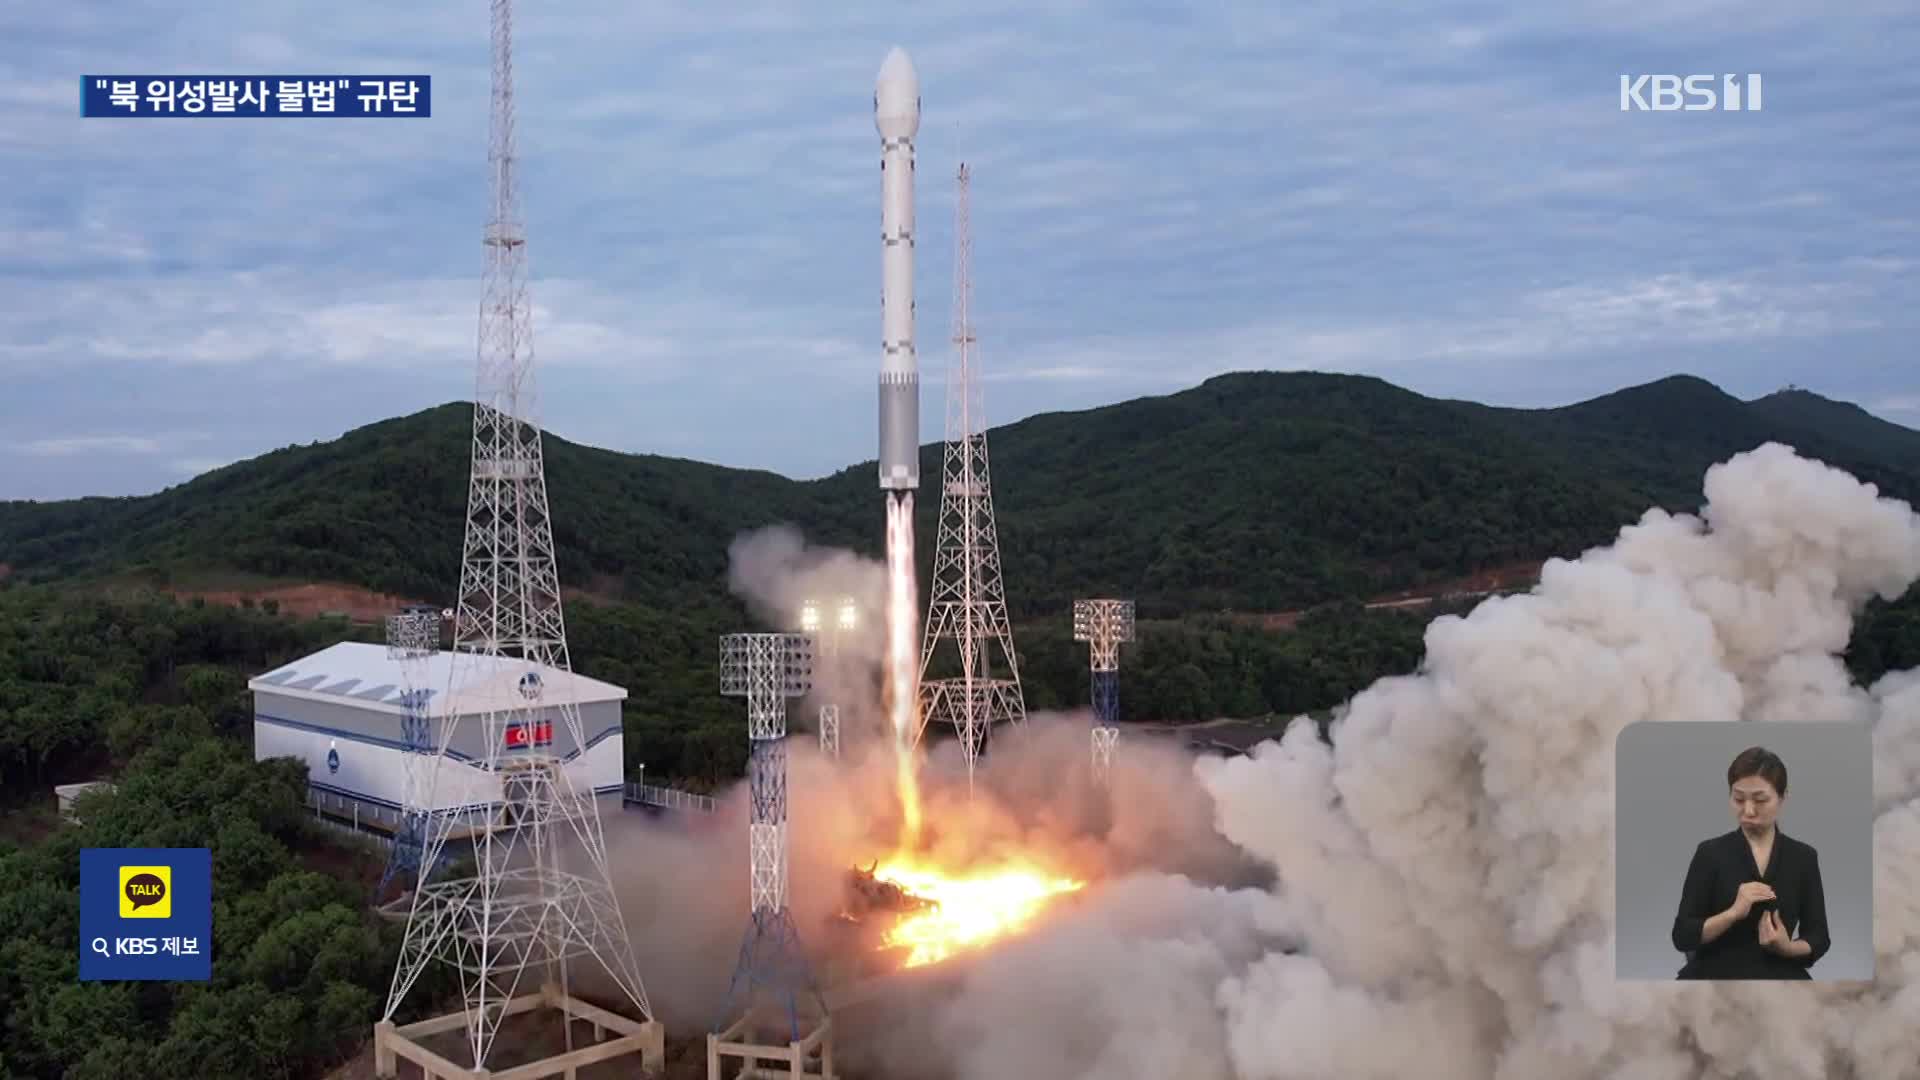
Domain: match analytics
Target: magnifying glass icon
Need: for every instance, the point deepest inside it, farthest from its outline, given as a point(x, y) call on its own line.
point(100, 946)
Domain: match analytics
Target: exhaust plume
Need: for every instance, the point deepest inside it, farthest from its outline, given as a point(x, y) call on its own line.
point(682, 879)
point(776, 572)
point(1443, 903)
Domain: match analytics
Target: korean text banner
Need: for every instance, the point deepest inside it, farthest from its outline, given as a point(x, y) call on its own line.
point(146, 913)
point(256, 95)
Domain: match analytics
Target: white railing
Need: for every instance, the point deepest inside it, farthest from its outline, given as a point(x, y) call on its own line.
point(354, 810)
point(669, 798)
point(350, 827)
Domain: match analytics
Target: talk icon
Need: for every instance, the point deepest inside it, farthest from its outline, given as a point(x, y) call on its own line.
point(146, 892)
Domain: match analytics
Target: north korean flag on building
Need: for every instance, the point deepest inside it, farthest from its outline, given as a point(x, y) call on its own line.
point(522, 736)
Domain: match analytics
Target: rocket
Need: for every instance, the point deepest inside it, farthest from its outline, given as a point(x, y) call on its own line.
point(896, 113)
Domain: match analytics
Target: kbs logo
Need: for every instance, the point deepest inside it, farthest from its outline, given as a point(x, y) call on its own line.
point(521, 736)
point(146, 892)
point(1689, 93)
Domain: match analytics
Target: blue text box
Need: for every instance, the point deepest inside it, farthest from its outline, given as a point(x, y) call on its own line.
point(256, 95)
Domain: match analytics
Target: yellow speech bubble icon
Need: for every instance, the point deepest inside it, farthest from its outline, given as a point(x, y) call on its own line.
point(146, 892)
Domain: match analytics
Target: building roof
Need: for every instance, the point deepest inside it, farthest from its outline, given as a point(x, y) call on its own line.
point(364, 676)
point(67, 791)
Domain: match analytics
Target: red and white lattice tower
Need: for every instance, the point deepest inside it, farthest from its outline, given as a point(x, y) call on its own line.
point(967, 604)
point(540, 896)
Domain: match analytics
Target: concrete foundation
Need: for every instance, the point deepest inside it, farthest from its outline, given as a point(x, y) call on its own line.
point(811, 1055)
point(645, 1038)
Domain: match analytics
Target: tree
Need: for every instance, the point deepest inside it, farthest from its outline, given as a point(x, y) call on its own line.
point(79, 1016)
point(218, 693)
point(307, 961)
point(112, 1058)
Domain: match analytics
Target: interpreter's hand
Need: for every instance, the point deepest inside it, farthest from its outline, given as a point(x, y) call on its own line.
point(1773, 933)
point(1753, 892)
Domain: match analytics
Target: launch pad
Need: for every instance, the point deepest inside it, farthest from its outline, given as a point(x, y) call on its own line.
point(392, 1042)
point(810, 1055)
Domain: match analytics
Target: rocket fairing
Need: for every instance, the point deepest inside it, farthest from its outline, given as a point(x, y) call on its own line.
point(896, 113)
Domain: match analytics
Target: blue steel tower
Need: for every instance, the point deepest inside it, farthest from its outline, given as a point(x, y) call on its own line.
point(1104, 624)
point(413, 637)
point(767, 669)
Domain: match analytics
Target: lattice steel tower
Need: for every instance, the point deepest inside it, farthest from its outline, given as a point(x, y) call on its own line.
point(967, 604)
point(522, 910)
point(1104, 625)
point(830, 731)
point(829, 639)
point(767, 669)
point(413, 637)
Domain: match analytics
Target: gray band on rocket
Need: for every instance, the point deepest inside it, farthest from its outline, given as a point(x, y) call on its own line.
point(899, 430)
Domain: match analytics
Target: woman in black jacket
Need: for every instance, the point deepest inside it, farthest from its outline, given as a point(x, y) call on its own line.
point(1753, 906)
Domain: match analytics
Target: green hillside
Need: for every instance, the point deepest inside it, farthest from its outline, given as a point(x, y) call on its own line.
point(1661, 438)
point(1843, 422)
point(382, 507)
point(1251, 492)
point(1255, 491)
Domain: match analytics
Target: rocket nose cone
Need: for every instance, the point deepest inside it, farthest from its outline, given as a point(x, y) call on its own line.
point(896, 96)
point(897, 68)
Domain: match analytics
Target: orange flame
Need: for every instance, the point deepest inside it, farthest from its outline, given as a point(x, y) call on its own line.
point(971, 910)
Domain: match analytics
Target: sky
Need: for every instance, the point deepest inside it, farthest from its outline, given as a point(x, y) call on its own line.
point(1445, 195)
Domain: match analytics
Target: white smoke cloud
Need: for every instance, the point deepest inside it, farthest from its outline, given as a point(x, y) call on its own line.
point(683, 879)
point(1444, 902)
point(778, 573)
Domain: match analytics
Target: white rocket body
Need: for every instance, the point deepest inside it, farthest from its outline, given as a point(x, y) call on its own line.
point(896, 113)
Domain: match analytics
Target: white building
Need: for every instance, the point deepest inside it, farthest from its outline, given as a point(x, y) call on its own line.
point(339, 710)
point(68, 795)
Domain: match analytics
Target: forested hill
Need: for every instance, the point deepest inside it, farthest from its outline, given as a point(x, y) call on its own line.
point(1254, 491)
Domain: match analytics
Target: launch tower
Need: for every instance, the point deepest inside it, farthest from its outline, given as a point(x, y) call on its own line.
point(967, 604)
point(526, 909)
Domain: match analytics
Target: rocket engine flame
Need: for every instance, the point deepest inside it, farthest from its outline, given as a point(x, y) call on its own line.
point(955, 908)
point(967, 911)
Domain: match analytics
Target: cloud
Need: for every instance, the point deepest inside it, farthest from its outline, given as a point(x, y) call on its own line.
point(1237, 185)
point(148, 445)
point(249, 320)
point(1544, 325)
point(191, 467)
point(92, 444)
